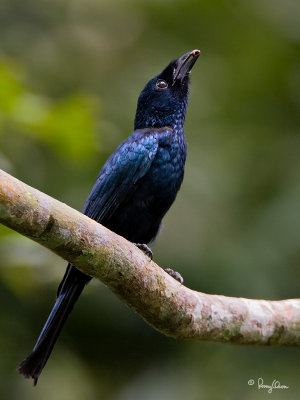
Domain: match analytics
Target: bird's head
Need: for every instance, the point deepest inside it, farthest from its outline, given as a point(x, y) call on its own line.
point(163, 100)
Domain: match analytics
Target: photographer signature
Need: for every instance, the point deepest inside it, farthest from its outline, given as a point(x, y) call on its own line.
point(260, 384)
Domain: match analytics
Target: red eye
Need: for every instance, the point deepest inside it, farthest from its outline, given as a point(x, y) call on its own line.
point(161, 84)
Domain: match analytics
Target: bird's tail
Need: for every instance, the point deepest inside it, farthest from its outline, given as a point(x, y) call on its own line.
point(68, 293)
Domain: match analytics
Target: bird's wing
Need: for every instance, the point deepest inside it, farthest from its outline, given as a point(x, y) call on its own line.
point(116, 182)
point(119, 175)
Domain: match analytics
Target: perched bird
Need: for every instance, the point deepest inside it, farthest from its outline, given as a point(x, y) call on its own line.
point(134, 189)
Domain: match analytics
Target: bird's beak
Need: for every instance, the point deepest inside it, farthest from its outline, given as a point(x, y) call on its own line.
point(185, 64)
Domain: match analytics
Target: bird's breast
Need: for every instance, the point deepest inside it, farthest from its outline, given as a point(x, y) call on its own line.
point(139, 217)
point(165, 176)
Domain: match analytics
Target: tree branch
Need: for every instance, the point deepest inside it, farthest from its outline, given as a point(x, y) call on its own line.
point(164, 303)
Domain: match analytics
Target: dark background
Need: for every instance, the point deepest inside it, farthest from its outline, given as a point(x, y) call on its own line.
point(70, 75)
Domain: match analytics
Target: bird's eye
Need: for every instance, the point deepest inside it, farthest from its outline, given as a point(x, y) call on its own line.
point(161, 84)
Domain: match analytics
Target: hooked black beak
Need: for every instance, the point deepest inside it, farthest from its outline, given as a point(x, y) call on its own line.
point(185, 64)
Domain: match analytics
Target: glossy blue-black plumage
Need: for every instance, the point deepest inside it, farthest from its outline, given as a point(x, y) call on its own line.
point(134, 189)
point(138, 183)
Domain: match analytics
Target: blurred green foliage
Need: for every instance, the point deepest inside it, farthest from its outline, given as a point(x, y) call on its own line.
point(66, 125)
point(70, 75)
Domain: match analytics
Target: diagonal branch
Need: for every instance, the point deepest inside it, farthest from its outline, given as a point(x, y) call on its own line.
point(164, 303)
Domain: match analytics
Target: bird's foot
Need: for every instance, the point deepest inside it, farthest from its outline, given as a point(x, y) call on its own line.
point(145, 249)
point(174, 274)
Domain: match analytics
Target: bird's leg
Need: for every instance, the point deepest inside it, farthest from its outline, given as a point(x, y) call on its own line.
point(145, 249)
point(174, 274)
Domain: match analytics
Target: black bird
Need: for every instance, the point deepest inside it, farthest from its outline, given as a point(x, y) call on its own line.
point(134, 189)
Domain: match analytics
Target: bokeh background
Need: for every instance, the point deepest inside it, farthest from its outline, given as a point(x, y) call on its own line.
point(70, 75)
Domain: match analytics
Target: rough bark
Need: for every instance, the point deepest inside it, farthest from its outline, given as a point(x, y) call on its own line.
point(164, 303)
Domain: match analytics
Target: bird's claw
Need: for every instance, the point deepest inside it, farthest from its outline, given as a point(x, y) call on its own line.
point(145, 249)
point(174, 274)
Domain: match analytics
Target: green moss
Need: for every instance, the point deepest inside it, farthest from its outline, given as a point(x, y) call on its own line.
point(232, 333)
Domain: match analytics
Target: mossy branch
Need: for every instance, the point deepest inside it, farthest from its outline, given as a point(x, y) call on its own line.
point(168, 306)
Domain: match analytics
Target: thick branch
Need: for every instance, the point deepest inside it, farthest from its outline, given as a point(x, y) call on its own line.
point(164, 303)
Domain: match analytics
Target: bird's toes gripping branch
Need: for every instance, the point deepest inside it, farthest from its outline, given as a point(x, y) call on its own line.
point(145, 249)
point(174, 274)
